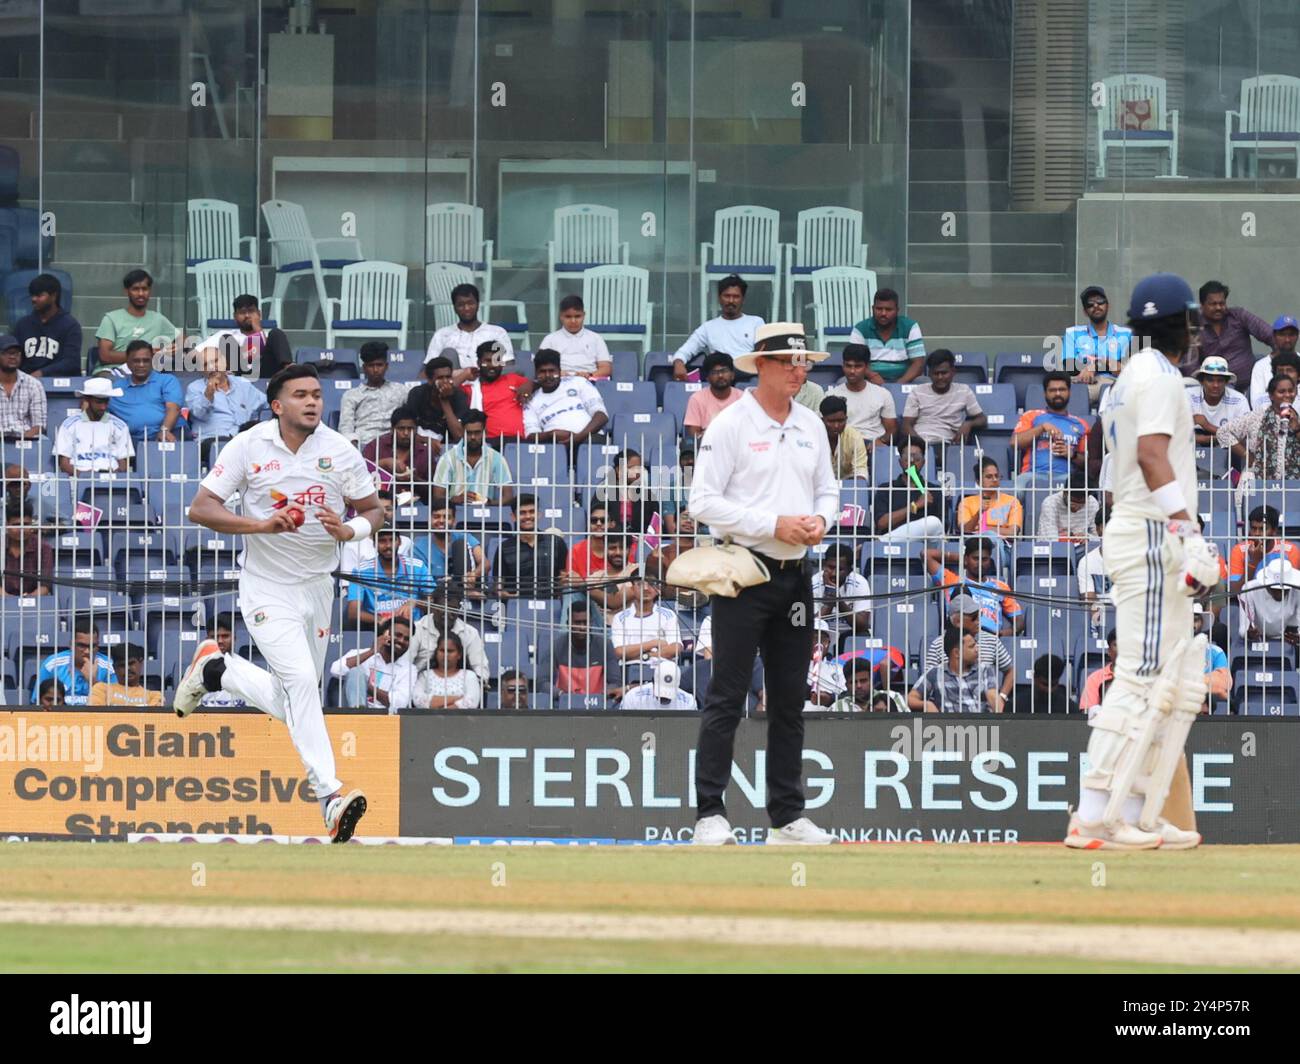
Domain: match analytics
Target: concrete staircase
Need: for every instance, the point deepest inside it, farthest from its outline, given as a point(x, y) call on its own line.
point(982, 277)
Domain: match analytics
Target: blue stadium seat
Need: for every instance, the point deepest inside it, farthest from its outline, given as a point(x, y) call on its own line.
point(537, 463)
point(513, 648)
point(1036, 558)
point(998, 401)
point(1259, 655)
point(627, 397)
point(657, 368)
point(114, 605)
point(154, 460)
point(972, 367)
point(626, 366)
point(1027, 649)
point(1078, 404)
point(1263, 703)
point(77, 549)
point(342, 360)
point(644, 432)
point(332, 392)
point(51, 500)
point(892, 559)
point(885, 466)
point(1213, 461)
point(35, 456)
point(676, 396)
point(406, 366)
point(1020, 370)
point(480, 518)
point(30, 249)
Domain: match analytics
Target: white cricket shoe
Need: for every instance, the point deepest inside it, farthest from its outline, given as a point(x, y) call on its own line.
point(342, 814)
point(190, 691)
point(713, 831)
point(801, 832)
point(1085, 836)
point(1174, 838)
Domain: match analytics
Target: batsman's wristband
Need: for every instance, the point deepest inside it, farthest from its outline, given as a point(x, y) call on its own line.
point(360, 528)
point(1169, 497)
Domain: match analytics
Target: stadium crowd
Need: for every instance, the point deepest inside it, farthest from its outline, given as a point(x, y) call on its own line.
point(536, 501)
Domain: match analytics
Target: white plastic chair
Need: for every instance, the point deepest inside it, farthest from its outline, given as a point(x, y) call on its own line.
point(212, 232)
point(296, 253)
point(1162, 134)
point(1267, 117)
point(372, 303)
point(746, 242)
point(842, 297)
point(618, 307)
point(218, 282)
point(453, 232)
point(441, 277)
point(826, 236)
point(586, 235)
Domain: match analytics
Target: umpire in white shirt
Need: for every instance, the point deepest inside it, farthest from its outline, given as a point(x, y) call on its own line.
point(763, 476)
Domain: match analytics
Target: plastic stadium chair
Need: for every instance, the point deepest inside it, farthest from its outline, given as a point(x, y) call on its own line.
point(842, 297)
point(295, 254)
point(585, 235)
point(1268, 117)
point(213, 233)
point(439, 280)
point(217, 282)
point(746, 242)
point(453, 232)
point(1161, 134)
point(618, 304)
point(372, 303)
point(825, 236)
point(634, 397)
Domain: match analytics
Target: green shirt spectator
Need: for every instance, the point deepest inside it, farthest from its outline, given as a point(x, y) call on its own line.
point(894, 341)
point(135, 321)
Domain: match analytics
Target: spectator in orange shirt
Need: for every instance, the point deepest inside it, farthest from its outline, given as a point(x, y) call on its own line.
point(992, 513)
point(1000, 613)
point(1264, 543)
point(1094, 687)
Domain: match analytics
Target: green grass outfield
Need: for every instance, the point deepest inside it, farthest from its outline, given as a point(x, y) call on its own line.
point(985, 889)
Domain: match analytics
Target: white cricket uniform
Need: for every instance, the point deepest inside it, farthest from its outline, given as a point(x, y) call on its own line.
point(1142, 559)
point(643, 697)
point(466, 344)
point(579, 352)
point(286, 593)
point(629, 627)
point(93, 445)
point(570, 407)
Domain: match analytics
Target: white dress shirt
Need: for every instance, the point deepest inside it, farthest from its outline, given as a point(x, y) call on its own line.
point(395, 677)
point(750, 469)
point(466, 344)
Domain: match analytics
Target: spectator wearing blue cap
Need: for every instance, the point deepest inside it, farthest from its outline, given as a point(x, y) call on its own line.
point(1286, 331)
point(1226, 331)
point(1095, 350)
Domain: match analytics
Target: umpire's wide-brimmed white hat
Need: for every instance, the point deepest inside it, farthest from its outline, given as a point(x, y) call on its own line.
point(778, 338)
point(1277, 573)
point(99, 388)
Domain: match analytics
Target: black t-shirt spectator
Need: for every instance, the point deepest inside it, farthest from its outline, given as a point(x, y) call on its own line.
point(276, 354)
point(1026, 698)
point(528, 570)
point(423, 401)
point(901, 492)
point(51, 347)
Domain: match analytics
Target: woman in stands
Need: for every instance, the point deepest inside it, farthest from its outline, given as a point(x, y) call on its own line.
point(447, 684)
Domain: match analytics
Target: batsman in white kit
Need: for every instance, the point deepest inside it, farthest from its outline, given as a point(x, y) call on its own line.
point(295, 478)
point(1158, 564)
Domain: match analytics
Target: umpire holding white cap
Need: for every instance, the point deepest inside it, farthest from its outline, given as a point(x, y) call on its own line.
point(763, 477)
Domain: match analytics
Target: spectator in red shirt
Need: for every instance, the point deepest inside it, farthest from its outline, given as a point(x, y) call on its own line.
point(501, 396)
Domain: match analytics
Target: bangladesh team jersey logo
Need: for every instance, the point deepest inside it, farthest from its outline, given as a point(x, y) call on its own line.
point(259, 616)
point(325, 464)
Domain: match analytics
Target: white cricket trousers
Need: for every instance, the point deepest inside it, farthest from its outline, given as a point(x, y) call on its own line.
point(290, 625)
point(1151, 614)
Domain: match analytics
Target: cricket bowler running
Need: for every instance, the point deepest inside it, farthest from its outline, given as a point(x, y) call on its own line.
point(1158, 563)
point(295, 477)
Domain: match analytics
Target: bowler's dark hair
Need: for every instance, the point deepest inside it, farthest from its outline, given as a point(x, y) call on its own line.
point(287, 374)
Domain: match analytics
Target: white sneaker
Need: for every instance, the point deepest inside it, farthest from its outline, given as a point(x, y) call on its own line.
point(1172, 838)
point(190, 691)
point(801, 832)
point(1085, 836)
point(713, 831)
point(342, 814)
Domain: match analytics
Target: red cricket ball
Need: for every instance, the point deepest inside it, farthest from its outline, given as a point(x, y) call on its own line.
point(297, 515)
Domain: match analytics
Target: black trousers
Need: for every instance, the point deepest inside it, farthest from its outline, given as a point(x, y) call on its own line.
point(775, 620)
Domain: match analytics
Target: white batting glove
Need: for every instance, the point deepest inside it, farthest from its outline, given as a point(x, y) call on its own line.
point(1201, 568)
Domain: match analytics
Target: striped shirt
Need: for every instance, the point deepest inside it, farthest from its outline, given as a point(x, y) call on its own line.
point(486, 479)
point(958, 692)
point(890, 357)
point(24, 408)
point(992, 652)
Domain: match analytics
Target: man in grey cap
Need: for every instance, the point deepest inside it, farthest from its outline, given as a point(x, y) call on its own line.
point(92, 439)
point(22, 399)
point(964, 613)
